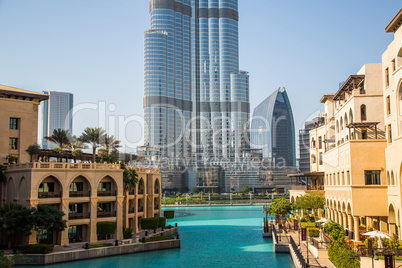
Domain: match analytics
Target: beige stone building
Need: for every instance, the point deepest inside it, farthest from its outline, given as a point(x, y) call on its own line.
point(87, 193)
point(392, 85)
point(18, 121)
point(354, 162)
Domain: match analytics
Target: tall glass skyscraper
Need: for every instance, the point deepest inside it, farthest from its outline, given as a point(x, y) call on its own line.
point(167, 101)
point(273, 131)
point(196, 99)
point(56, 113)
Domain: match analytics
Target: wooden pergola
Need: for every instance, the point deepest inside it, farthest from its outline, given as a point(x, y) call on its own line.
point(309, 180)
point(363, 125)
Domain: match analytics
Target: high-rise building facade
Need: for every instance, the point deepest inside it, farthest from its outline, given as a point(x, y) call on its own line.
point(272, 129)
point(196, 98)
point(304, 147)
point(167, 101)
point(56, 113)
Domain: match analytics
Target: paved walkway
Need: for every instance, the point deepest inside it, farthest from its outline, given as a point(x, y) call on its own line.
point(312, 260)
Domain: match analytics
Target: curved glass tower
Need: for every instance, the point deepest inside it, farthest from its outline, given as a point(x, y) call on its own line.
point(273, 131)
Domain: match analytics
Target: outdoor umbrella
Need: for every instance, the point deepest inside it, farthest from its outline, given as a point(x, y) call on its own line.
point(379, 235)
point(323, 220)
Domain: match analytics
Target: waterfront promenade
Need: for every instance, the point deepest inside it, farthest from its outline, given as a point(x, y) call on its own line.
point(283, 241)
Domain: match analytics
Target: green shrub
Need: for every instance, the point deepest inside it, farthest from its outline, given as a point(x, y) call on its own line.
point(36, 248)
point(99, 245)
point(162, 222)
point(149, 223)
point(313, 232)
point(308, 225)
point(158, 238)
point(127, 233)
point(341, 256)
point(105, 228)
point(168, 214)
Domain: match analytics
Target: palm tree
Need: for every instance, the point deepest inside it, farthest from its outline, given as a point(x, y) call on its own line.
point(60, 137)
point(111, 144)
point(130, 177)
point(75, 143)
point(94, 137)
point(33, 150)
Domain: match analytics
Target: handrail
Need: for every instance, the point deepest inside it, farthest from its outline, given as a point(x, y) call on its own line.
point(297, 252)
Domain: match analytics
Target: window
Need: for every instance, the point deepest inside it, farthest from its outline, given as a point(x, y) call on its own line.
point(389, 134)
point(321, 158)
point(77, 187)
point(106, 207)
point(372, 177)
point(75, 208)
point(393, 65)
point(46, 187)
point(313, 159)
point(363, 112)
point(364, 134)
point(13, 123)
point(387, 77)
point(104, 186)
point(388, 105)
point(13, 144)
point(320, 142)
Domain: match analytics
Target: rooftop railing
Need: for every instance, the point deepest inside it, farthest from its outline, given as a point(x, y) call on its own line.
point(56, 165)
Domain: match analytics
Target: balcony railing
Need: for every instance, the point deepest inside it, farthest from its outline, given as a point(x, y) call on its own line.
point(106, 214)
point(55, 165)
point(140, 191)
point(78, 216)
point(131, 192)
point(156, 207)
point(80, 193)
point(107, 193)
point(308, 188)
point(140, 209)
point(131, 210)
point(49, 195)
point(156, 191)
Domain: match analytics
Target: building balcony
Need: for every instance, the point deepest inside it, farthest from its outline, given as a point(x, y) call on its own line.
point(78, 216)
point(80, 193)
point(107, 193)
point(156, 207)
point(140, 209)
point(131, 210)
point(56, 165)
point(106, 214)
point(49, 194)
point(131, 192)
point(141, 191)
point(157, 191)
point(307, 187)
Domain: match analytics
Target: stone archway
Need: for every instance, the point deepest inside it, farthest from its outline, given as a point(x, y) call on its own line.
point(392, 220)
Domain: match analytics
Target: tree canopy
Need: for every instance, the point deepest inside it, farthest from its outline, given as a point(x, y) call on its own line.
point(279, 205)
point(46, 217)
point(246, 189)
point(130, 177)
point(311, 201)
point(93, 137)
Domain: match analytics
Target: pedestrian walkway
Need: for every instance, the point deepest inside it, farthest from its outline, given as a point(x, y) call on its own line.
point(284, 238)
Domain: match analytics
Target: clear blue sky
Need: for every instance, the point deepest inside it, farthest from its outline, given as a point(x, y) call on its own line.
point(94, 49)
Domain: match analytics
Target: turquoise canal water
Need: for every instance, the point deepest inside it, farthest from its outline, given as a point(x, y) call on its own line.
point(229, 236)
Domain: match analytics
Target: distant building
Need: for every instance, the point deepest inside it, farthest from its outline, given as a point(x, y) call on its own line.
point(304, 147)
point(18, 122)
point(273, 131)
point(56, 113)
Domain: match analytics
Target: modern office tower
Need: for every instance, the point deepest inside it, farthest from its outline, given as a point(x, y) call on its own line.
point(192, 65)
point(167, 101)
point(56, 113)
point(304, 147)
point(272, 129)
point(220, 90)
